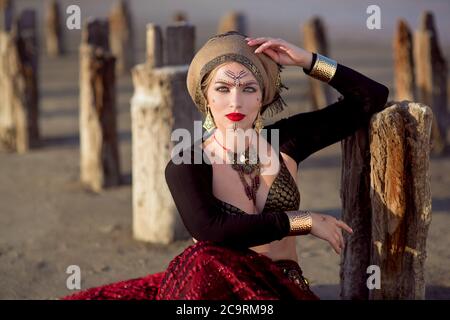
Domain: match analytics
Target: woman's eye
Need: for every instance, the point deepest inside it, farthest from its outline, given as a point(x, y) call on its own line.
point(250, 89)
point(222, 89)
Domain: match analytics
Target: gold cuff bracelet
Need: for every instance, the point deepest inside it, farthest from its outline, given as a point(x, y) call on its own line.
point(300, 222)
point(324, 68)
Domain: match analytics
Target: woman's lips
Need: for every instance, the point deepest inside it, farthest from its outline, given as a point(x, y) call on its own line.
point(235, 116)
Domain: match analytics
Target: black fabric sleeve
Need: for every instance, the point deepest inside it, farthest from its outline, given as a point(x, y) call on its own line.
point(191, 189)
point(305, 133)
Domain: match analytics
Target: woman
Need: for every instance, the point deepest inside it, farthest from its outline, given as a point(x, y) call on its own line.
point(241, 202)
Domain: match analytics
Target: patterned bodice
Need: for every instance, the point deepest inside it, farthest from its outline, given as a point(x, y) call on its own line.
point(283, 194)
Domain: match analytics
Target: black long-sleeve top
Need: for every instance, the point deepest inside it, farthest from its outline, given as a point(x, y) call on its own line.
point(299, 136)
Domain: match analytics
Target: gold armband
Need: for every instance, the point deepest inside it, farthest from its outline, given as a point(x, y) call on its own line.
point(300, 222)
point(324, 68)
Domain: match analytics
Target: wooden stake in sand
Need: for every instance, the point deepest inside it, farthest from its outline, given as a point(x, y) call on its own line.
point(387, 201)
point(431, 77)
point(315, 40)
point(19, 125)
point(100, 166)
point(159, 105)
point(180, 17)
point(154, 46)
point(121, 36)
point(401, 198)
point(53, 30)
point(233, 21)
point(356, 211)
point(6, 15)
point(405, 83)
point(179, 45)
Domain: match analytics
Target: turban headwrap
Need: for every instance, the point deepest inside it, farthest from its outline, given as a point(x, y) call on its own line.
point(229, 47)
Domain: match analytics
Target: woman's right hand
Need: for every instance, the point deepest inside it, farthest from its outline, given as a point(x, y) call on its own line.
point(329, 228)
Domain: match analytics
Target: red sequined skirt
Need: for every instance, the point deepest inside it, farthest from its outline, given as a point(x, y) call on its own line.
point(208, 271)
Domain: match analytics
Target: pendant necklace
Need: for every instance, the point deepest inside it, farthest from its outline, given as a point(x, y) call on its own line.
point(245, 163)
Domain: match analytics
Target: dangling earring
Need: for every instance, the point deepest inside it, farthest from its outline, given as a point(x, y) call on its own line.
point(258, 123)
point(209, 124)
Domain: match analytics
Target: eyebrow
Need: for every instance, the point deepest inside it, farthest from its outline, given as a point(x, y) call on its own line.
point(232, 84)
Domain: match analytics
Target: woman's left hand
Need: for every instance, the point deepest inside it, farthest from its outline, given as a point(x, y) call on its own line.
point(282, 52)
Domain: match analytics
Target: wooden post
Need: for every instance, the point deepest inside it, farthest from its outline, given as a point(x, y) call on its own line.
point(405, 83)
point(179, 45)
point(121, 36)
point(431, 76)
point(19, 125)
point(28, 125)
point(315, 40)
point(53, 30)
point(233, 21)
point(401, 198)
point(9, 76)
point(100, 165)
point(356, 212)
point(6, 15)
point(160, 104)
point(180, 17)
point(154, 46)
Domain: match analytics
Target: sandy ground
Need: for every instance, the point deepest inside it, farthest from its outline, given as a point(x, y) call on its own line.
point(48, 222)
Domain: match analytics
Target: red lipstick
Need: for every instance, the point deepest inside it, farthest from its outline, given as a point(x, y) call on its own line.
point(235, 116)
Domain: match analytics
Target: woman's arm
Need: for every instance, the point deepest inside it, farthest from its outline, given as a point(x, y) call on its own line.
point(191, 189)
point(305, 133)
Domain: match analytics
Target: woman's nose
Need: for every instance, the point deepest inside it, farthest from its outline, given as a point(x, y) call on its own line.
point(236, 98)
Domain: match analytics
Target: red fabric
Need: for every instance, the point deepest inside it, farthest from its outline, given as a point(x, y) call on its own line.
point(207, 271)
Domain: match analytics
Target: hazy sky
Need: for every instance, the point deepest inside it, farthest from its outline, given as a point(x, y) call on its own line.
point(345, 19)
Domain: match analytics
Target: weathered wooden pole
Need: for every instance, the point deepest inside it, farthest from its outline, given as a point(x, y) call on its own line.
point(53, 30)
point(405, 83)
point(401, 198)
point(154, 48)
point(356, 211)
point(9, 75)
point(19, 113)
point(315, 40)
point(6, 14)
point(431, 77)
point(180, 17)
point(233, 21)
point(179, 45)
point(121, 36)
point(160, 104)
point(28, 130)
point(99, 163)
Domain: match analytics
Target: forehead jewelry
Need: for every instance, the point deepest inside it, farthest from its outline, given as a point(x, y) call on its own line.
point(236, 78)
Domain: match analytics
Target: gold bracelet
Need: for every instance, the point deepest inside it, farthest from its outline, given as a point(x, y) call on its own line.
point(324, 68)
point(300, 222)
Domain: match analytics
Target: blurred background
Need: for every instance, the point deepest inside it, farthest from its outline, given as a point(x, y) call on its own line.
point(48, 221)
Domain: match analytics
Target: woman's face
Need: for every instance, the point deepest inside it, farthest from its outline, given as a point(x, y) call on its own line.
point(234, 96)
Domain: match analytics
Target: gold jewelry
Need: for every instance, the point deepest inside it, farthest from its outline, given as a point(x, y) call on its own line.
point(209, 123)
point(324, 68)
point(300, 222)
point(245, 163)
point(258, 123)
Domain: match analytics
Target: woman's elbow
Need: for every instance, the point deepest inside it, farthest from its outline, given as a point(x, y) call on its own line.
point(202, 233)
